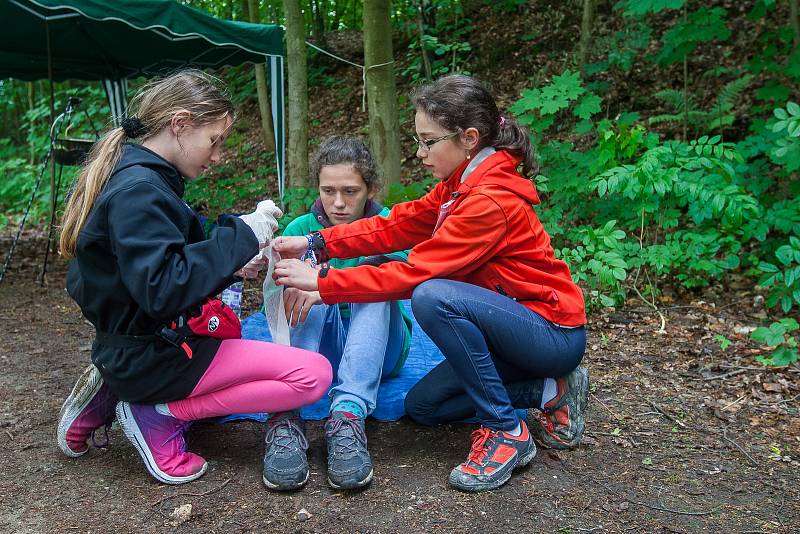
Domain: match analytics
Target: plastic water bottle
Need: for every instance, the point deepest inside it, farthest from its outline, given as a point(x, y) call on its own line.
point(232, 297)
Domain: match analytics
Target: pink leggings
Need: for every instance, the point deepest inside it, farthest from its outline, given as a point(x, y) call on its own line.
point(249, 376)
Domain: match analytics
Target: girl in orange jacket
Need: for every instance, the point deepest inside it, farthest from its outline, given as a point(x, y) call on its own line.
point(483, 281)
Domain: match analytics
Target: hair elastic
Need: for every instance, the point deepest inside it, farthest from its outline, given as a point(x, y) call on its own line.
point(133, 127)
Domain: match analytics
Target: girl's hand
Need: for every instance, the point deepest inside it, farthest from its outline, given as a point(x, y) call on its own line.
point(298, 303)
point(253, 267)
point(291, 246)
point(295, 273)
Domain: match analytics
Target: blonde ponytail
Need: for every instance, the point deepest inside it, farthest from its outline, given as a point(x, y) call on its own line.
point(93, 177)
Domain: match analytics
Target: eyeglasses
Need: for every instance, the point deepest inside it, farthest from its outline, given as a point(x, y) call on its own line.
point(426, 144)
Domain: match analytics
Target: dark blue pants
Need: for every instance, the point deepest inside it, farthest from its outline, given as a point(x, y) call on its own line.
point(497, 354)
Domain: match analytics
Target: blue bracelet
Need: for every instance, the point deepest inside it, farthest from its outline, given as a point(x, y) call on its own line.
point(310, 252)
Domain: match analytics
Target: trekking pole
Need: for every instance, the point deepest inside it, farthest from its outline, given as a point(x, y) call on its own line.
point(10, 253)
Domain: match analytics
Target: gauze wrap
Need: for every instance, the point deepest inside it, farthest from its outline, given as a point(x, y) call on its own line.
point(264, 222)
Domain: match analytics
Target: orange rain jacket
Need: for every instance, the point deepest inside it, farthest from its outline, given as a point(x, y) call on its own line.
point(483, 231)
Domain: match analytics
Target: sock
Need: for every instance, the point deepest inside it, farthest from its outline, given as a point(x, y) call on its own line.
point(515, 432)
point(349, 407)
point(163, 409)
point(289, 414)
point(549, 391)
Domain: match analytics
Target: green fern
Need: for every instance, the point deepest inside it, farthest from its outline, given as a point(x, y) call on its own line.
point(674, 100)
point(720, 114)
point(726, 101)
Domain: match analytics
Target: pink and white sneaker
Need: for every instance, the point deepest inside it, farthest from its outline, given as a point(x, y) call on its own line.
point(88, 407)
point(159, 441)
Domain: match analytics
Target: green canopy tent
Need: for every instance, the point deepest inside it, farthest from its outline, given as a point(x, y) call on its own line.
point(112, 41)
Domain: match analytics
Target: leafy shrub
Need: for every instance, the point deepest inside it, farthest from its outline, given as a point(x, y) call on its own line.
point(787, 151)
point(783, 280)
point(398, 193)
point(297, 201)
point(778, 335)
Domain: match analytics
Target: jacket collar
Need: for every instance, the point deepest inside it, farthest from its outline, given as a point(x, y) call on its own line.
point(371, 209)
point(476, 160)
point(133, 155)
point(499, 157)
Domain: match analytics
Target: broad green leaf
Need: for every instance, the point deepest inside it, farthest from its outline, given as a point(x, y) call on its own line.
point(783, 356)
point(789, 324)
point(588, 106)
point(785, 254)
point(780, 113)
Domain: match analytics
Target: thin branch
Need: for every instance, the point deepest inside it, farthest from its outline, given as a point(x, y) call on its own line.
point(732, 403)
point(745, 368)
point(667, 415)
point(655, 308)
point(729, 440)
point(787, 401)
point(722, 376)
point(682, 512)
point(615, 416)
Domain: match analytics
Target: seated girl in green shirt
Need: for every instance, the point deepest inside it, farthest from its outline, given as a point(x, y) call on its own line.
point(364, 342)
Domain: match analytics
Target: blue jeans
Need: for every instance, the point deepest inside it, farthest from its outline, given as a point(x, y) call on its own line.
point(362, 349)
point(497, 354)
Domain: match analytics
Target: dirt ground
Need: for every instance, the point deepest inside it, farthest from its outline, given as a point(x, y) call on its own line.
point(681, 437)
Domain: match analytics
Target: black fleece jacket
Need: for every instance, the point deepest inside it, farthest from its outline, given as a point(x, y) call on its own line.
point(141, 258)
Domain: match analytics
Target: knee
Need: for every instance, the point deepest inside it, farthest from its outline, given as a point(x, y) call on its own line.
point(426, 297)
point(418, 408)
point(319, 376)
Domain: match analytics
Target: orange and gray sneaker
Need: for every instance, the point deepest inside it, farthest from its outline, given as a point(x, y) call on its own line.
point(561, 421)
point(493, 456)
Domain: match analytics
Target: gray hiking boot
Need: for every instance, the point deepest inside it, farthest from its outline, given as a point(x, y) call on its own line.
point(561, 422)
point(285, 462)
point(349, 464)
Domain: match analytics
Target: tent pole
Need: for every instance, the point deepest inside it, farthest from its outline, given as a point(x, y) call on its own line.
point(277, 88)
point(52, 160)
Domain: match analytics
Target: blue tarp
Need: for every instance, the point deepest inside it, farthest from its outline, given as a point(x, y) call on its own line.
point(422, 357)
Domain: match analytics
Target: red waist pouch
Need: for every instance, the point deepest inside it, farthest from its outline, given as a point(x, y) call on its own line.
point(211, 319)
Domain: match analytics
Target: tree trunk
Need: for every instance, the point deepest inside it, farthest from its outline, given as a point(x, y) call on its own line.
point(685, 85)
point(264, 107)
point(338, 8)
point(426, 61)
point(587, 23)
point(795, 22)
point(429, 13)
point(384, 127)
point(273, 16)
point(318, 12)
point(18, 110)
point(298, 94)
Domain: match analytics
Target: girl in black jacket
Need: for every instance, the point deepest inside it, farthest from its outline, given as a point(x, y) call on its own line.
point(141, 259)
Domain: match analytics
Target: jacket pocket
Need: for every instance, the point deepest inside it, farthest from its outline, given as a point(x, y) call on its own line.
point(544, 294)
point(496, 284)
